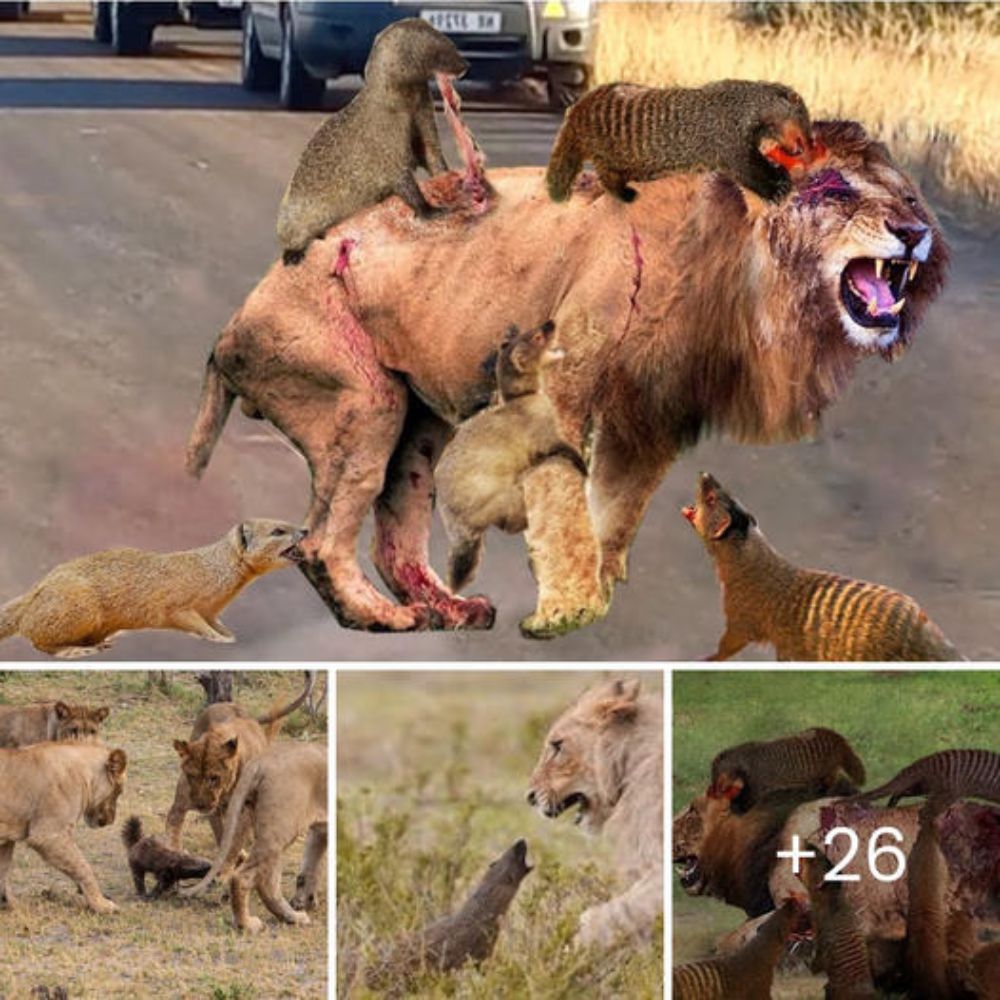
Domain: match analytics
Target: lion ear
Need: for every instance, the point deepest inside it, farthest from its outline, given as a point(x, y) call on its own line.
point(182, 748)
point(100, 714)
point(622, 701)
point(116, 764)
point(62, 710)
point(727, 788)
point(231, 746)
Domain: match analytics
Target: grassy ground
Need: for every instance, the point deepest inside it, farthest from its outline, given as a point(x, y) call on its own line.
point(432, 773)
point(169, 948)
point(890, 718)
point(921, 78)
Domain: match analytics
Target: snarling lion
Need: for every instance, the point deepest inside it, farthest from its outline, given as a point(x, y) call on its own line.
point(604, 757)
point(699, 307)
point(44, 792)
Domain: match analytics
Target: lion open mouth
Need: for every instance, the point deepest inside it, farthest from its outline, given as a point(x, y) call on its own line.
point(577, 798)
point(689, 872)
point(872, 290)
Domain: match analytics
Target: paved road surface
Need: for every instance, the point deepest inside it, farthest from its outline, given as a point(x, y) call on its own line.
point(137, 206)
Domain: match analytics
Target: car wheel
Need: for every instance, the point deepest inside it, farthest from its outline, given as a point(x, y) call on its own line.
point(298, 89)
point(257, 72)
point(130, 34)
point(567, 84)
point(102, 22)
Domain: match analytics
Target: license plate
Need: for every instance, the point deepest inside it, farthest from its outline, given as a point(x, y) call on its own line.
point(464, 22)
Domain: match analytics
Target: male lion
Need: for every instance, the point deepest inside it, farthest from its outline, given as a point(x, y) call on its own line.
point(699, 307)
point(604, 755)
point(44, 790)
point(287, 788)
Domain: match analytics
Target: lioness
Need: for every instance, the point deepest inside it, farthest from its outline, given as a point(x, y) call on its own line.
point(287, 786)
point(44, 790)
point(22, 725)
point(604, 754)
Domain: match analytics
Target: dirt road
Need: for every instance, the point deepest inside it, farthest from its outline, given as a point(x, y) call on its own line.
point(137, 206)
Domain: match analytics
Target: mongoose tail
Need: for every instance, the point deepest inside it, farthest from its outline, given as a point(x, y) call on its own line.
point(213, 411)
point(131, 832)
point(564, 165)
point(963, 773)
point(10, 616)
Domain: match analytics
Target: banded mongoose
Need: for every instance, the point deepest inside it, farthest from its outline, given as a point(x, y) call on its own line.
point(959, 773)
point(82, 605)
point(469, 934)
point(745, 975)
point(757, 133)
point(813, 760)
point(49, 721)
point(371, 148)
point(153, 855)
point(841, 951)
point(479, 475)
point(805, 614)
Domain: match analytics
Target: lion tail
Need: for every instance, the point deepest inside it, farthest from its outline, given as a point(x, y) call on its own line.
point(565, 163)
point(10, 617)
point(213, 410)
point(276, 714)
point(131, 832)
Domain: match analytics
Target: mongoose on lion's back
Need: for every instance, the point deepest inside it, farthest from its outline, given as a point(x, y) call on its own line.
point(745, 975)
point(153, 855)
point(805, 614)
point(467, 935)
point(812, 760)
point(479, 475)
point(370, 149)
point(757, 133)
point(80, 606)
point(960, 773)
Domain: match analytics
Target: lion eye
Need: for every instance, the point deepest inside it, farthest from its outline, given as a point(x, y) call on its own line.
point(556, 746)
point(911, 201)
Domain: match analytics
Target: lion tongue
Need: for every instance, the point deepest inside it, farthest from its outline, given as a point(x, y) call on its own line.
point(874, 290)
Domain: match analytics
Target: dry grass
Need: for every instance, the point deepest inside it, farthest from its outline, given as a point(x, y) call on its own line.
point(921, 79)
point(170, 948)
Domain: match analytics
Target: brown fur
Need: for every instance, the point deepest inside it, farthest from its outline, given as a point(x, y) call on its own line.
point(604, 755)
point(747, 974)
point(45, 790)
point(986, 971)
point(633, 133)
point(805, 614)
point(812, 761)
point(369, 150)
point(957, 773)
point(696, 309)
point(79, 607)
point(44, 721)
point(152, 855)
point(287, 789)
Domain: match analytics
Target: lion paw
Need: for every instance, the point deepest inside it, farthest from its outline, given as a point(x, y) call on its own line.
point(300, 919)
point(252, 925)
point(102, 905)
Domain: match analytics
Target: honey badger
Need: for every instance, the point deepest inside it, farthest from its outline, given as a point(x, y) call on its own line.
point(958, 773)
point(758, 133)
point(370, 149)
point(80, 606)
point(152, 855)
point(805, 614)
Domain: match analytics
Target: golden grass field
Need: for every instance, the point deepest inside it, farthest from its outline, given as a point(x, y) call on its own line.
point(170, 948)
point(432, 772)
point(923, 80)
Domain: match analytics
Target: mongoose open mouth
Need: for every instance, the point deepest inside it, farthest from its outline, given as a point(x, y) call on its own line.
point(872, 290)
point(293, 553)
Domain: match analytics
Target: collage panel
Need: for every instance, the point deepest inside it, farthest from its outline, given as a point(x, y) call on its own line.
point(163, 834)
point(499, 834)
point(836, 834)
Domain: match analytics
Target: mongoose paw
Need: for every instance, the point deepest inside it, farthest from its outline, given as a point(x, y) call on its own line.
point(252, 925)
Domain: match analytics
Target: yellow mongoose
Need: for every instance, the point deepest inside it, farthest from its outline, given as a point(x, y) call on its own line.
point(49, 722)
point(757, 133)
point(805, 614)
point(80, 606)
point(479, 475)
point(369, 150)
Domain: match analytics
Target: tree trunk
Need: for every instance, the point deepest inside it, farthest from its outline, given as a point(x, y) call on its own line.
point(218, 685)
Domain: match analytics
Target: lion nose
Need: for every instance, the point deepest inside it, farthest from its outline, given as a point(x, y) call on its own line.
point(532, 798)
point(908, 233)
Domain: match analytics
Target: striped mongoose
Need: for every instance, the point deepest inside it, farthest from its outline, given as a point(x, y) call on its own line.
point(479, 476)
point(81, 605)
point(959, 773)
point(757, 133)
point(152, 855)
point(841, 951)
point(370, 149)
point(805, 614)
point(49, 721)
point(745, 975)
point(813, 760)
point(467, 935)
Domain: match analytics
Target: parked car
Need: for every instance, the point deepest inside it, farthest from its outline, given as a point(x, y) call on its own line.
point(128, 27)
point(296, 47)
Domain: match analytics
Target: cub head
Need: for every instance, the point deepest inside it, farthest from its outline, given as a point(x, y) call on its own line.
point(104, 793)
point(264, 545)
point(211, 765)
point(522, 357)
point(580, 762)
point(410, 51)
point(79, 722)
point(717, 517)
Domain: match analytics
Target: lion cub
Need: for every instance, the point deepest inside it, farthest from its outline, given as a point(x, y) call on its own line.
point(479, 476)
point(49, 721)
point(80, 606)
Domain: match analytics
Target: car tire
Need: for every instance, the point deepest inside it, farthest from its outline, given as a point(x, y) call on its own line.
point(298, 89)
point(102, 22)
point(257, 72)
point(130, 34)
point(567, 84)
